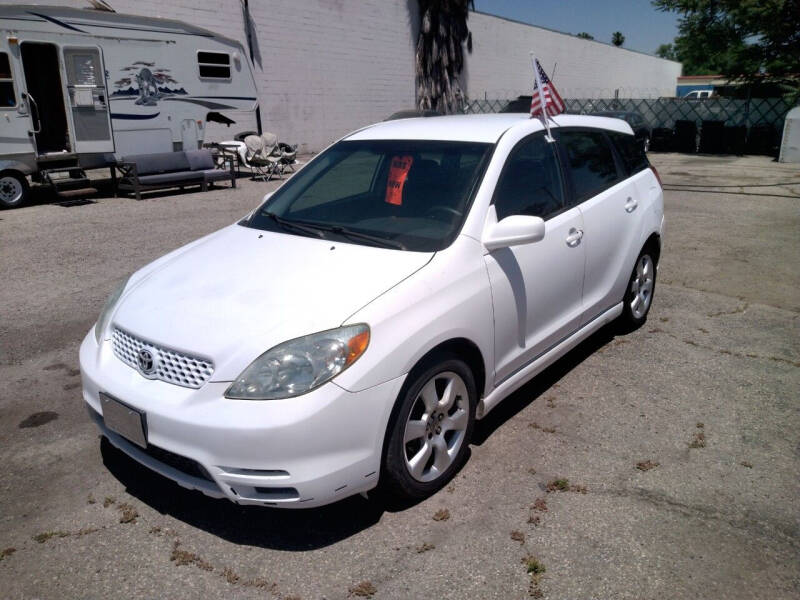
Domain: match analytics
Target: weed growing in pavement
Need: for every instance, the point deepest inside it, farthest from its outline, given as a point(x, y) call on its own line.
point(41, 538)
point(365, 589)
point(536, 570)
point(230, 576)
point(558, 485)
point(184, 557)
point(699, 440)
point(646, 465)
point(533, 565)
point(540, 504)
point(127, 514)
point(747, 464)
point(518, 536)
point(108, 501)
point(563, 485)
point(425, 548)
point(6, 552)
point(441, 515)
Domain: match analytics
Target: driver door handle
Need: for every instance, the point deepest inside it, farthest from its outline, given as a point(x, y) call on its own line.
point(631, 205)
point(574, 237)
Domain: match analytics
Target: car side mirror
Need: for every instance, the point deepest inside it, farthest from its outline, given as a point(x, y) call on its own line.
point(513, 231)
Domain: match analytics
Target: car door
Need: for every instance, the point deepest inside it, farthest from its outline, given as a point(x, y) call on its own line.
point(608, 202)
point(536, 287)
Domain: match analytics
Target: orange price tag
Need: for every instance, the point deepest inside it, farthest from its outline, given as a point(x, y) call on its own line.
point(398, 173)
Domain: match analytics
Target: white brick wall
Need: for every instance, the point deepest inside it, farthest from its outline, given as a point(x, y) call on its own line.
point(500, 64)
point(326, 67)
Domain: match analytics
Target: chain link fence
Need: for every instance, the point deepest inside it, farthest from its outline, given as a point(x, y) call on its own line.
point(664, 112)
point(752, 125)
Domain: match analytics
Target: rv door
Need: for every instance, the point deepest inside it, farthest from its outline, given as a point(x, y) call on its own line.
point(88, 99)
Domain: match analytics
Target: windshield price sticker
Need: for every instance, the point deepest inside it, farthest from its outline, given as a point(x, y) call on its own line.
point(398, 173)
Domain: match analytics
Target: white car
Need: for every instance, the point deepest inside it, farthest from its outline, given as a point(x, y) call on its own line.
point(351, 329)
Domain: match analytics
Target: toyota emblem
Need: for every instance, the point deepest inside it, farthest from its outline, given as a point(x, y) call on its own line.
point(146, 361)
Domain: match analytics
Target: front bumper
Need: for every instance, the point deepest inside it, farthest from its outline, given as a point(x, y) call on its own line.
point(298, 452)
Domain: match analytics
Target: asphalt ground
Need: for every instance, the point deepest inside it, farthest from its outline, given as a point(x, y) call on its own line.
point(703, 398)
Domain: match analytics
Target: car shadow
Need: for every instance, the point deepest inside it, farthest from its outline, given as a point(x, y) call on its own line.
point(264, 527)
point(312, 528)
point(542, 383)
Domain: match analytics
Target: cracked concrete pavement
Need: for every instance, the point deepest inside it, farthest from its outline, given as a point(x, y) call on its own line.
point(707, 388)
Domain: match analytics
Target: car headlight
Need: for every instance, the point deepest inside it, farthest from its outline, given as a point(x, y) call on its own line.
point(300, 365)
point(105, 315)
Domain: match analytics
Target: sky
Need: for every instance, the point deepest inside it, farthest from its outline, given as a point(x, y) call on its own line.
point(644, 27)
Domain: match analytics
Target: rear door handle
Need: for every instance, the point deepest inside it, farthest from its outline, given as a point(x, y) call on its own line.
point(574, 237)
point(631, 205)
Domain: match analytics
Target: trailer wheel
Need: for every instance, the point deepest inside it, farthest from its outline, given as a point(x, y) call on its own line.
point(13, 189)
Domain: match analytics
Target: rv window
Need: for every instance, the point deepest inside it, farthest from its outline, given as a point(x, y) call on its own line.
point(216, 65)
point(7, 97)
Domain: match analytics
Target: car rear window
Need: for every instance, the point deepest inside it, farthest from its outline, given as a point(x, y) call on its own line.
point(591, 162)
point(632, 152)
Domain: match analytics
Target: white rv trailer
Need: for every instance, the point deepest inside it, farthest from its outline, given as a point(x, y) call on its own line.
point(80, 87)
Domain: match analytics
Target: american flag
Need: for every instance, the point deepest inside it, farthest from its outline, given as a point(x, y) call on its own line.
point(553, 103)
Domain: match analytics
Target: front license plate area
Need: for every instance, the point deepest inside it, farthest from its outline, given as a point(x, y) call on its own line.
point(124, 420)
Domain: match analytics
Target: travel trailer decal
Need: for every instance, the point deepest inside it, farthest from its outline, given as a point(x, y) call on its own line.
point(148, 82)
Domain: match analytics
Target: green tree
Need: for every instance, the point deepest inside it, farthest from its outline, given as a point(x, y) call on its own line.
point(617, 38)
point(742, 39)
point(443, 33)
point(667, 51)
point(585, 36)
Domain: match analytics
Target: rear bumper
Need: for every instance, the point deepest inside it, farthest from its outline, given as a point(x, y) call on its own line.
point(299, 452)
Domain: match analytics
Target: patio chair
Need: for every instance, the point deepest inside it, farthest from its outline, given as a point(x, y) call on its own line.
point(263, 155)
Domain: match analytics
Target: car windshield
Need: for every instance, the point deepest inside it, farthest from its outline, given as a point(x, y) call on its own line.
point(404, 194)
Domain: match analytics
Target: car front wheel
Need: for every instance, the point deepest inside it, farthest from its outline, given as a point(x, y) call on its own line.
point(429, 434)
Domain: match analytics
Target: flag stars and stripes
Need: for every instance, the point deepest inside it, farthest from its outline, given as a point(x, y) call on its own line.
point(547, 100)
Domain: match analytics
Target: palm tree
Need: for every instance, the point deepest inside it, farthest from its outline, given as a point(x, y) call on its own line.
point(440, 53)
point(617, 38)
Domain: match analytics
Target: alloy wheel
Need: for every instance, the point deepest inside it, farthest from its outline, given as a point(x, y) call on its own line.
point(436, 426)
point(642, 287)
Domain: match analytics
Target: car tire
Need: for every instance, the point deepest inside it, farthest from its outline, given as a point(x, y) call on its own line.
point(13, 189)
point(429, 432)
point(639, 293)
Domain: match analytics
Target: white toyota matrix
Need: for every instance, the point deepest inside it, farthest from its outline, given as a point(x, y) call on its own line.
point(349, 331)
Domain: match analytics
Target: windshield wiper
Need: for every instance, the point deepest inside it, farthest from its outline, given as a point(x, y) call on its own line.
point(317, 229)
point(365, 236)
point(289, 224)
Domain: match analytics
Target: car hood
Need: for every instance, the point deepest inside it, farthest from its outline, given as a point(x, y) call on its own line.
point(238, 292)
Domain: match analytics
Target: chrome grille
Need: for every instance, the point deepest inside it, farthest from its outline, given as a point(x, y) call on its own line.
point(171, 366)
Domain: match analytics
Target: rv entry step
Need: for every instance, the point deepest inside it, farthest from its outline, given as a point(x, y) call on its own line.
point(68, 182)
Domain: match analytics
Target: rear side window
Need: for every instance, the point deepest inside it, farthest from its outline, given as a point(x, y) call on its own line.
point(591, 162)
point(632, 152)
point(531, 181)
point(214, 65)
point(7, 97)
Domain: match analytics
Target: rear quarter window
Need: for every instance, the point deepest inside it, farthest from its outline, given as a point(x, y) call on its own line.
point(591, 162)
point(631, 151)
